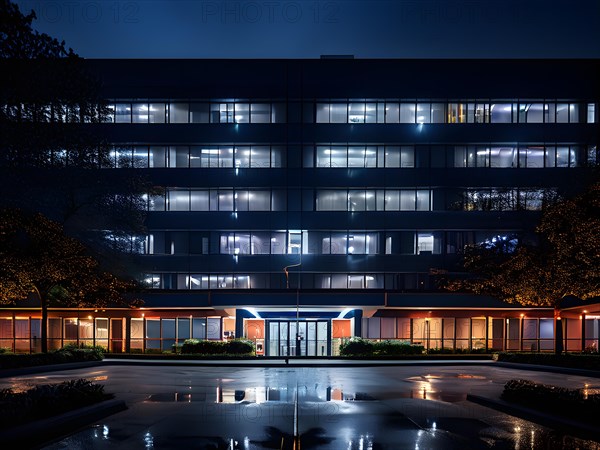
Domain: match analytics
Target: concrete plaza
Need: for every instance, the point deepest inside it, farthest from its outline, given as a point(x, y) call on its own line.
point(328, 404)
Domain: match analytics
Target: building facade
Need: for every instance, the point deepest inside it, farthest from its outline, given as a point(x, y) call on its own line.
point(309, 201)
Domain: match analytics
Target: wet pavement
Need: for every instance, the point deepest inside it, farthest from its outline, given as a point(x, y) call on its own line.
point(340, 407)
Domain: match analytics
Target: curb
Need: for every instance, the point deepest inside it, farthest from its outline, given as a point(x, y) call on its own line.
point(564, 424)
point(554, 369)
point(5, 373)
point(293, 363)
point(44, 430)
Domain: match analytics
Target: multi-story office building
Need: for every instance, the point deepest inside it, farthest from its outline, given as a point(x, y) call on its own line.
point(307, 201)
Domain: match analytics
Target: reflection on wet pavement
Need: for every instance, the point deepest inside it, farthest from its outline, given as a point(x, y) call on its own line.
point(262, 395)
point(311, 408)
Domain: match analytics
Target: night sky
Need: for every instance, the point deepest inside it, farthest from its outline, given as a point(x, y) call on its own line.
point(308, 29)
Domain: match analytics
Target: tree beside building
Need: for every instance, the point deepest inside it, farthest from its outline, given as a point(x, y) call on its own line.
point(52, 144)
point(37, 259)
point(563, 260)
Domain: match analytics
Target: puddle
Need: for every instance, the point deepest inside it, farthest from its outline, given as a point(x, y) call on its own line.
point(262, 395)
point(178, 397)
point(427, 387)
point(423, 391)
point(469, 376)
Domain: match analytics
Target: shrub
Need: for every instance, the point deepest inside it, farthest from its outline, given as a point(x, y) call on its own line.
point(203, 347)
point(395, 348)
point(66, 354)
point(153, 351)
point(80, 353)
point(568, 402)
point(363, 347)
point(357, 346)
point(176, 348)
point(239, 347)
point(591, 349)
point(458, 351)
point(47, 400)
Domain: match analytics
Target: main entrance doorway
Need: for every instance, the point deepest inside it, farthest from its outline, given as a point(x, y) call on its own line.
point(298, 338)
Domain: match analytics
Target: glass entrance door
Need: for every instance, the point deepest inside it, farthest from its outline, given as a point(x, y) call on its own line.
point(298, 338)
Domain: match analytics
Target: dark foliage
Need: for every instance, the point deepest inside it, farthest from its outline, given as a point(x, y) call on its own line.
point(238, 347)
point(574, 403)
point(52, 144)
point(563, 260)
point(365, 347)
point(38, 260)
point(47, 400)
point(458, 351)
point(67, 354)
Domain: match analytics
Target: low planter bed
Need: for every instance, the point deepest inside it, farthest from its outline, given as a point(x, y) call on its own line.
point(38, 432)
point(43, 401)
point(63, 356)
point(581, 404)
point(359, 347)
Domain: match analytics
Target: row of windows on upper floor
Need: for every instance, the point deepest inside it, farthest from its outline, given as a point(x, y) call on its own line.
point(352, 200)
point(356, 111)
point(204, 281)
point(476, 112)
point(239, 200)
point(349, 111)
point(205, 112)
point(360, 156)
point(315, 242)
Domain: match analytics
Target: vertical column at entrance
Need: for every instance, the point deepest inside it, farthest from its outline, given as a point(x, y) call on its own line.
point(240, 315)
point(357, 315)
point(255, 331)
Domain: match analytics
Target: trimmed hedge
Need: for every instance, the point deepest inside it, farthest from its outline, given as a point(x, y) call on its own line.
point(67, 354)
point(47, 400)
point(571, 360)
point(576, 403)
point(236, 347)
point(365, 347)
point(458, 351)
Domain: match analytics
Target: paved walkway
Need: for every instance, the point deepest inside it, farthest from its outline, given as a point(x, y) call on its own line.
point(396, 404)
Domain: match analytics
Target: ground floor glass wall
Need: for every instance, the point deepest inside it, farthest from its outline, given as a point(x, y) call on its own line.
point(23, 334)
point(279, 337)
point(478, 333)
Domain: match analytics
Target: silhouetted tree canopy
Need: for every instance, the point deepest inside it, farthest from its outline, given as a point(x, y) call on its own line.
point(52, 145)
point(565, 260)
point(37, 258)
